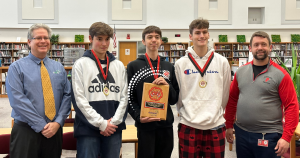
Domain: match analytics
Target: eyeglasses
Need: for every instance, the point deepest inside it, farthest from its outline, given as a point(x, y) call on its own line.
point(40, 38)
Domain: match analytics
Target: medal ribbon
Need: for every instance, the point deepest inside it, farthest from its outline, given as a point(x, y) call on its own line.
point(201, 70)
point(149, 62)
point(100, 67)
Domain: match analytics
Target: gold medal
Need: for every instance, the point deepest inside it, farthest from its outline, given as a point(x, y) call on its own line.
point(106, 91)
point(202, 84)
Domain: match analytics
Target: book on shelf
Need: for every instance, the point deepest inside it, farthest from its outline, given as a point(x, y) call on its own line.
point(3, 89)
point(16, 54)
point(164, 54)
point(58, 60)
point(222, 47)
point(59, 46)
point(3, 76)
point(180, 46)
point(161, 47)
point(7, 60)
point(173, 60)
point(20, 46)
point(78, 46)
point(296, 46)
point(6, 46)
point(243, 47)
point(167, 59)
point(287, 53)
point(174, 53)
point(282, 47)
point(177, 47)
point(276, 60)
point(288, 62)
point(275, 46)
point(235, 54)
point(5, 53)
point(273, 54)
point(225, 54)
point(58, 53)
point(242, 61)
point(181, 53)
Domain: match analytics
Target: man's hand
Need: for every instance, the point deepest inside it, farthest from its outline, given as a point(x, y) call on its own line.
point(281, 147)
point(160, 80)
point(148, 119)
point(50, 129)
point(229, 135)
point(109, 130)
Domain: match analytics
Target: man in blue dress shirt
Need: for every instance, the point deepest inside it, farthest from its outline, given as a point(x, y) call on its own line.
point(35, 135)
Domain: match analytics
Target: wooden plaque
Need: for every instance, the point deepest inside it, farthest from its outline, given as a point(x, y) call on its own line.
point(155, 101)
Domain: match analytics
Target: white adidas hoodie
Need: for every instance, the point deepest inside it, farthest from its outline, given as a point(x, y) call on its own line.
point(202, 108)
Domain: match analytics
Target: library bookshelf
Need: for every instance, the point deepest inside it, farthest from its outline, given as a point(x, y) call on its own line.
point(9, 51)
point(233, 51)
point(172, 51)
point(3, 71)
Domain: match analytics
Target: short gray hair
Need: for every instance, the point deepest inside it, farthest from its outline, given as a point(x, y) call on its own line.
point(38, 26)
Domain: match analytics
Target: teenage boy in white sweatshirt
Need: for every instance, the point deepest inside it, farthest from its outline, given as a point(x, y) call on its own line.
point(99, 97)
point(204, 79)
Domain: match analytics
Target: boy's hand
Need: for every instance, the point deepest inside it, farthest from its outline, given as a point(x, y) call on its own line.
point(109, 130)
point(160, 80)
point(148, 119)
point(229, 135)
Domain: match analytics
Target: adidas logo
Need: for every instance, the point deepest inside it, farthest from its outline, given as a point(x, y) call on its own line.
point(100, 85)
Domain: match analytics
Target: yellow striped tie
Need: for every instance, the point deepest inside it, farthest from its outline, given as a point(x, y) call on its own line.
point(48, 93)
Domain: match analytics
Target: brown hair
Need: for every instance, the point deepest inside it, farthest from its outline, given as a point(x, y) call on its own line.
point(198, 24)
point(260, 34)
point(151, 29)
point(100, 28)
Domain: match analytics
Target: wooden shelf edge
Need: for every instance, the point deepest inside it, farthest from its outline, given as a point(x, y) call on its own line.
point(3, 96)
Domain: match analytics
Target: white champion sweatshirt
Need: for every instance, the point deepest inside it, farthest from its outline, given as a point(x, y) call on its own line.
point(202, 108)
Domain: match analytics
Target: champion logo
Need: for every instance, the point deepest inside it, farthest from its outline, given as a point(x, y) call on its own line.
point(189, 71)
point(99, 86)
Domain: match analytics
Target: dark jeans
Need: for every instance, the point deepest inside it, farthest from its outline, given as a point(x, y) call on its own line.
point(105, 147)
point(246, 144)
point(26, 143)
point(157, 143)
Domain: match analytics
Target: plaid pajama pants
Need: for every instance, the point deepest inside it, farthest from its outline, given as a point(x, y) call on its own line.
point(196, 143)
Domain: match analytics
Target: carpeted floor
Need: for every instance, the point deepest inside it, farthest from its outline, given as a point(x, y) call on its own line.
point(127, 148)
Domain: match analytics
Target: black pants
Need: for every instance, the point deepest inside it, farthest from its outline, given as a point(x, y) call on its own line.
point(155, 144)
point(25, 143)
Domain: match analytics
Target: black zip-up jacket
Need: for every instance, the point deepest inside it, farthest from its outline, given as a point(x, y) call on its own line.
point(139, 72)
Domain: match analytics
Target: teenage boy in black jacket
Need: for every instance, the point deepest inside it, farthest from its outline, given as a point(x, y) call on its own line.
point(155, 136)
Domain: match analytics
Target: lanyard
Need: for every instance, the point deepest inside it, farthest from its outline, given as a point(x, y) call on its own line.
point(100, 67)
point(150, 64)
point(201, 70)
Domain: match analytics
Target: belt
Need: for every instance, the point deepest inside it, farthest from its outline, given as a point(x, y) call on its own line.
point(21, 123)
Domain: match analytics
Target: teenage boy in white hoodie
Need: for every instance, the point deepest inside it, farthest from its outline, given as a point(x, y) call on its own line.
point(99, 97)
point(204, 79)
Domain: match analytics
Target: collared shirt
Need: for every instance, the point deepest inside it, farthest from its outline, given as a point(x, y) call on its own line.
point(25, 92)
